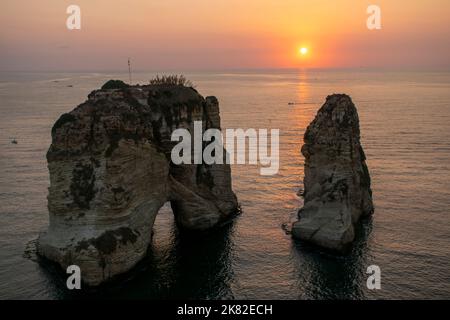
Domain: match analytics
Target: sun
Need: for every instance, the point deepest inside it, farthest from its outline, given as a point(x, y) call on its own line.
point(303, 51)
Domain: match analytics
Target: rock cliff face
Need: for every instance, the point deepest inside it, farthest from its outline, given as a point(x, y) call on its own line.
point(110, 173)
point(337, 182)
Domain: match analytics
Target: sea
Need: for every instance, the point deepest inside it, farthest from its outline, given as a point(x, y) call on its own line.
point(405, 132)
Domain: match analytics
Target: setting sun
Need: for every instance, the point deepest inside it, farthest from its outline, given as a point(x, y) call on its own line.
point(303, 51)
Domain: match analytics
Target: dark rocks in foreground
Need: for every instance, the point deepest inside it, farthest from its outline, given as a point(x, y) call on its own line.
point(110, 173)
point(337, 183)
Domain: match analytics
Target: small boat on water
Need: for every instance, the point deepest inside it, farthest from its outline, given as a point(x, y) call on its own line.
point(14, 141)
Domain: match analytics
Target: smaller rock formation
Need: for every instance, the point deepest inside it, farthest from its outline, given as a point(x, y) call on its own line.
point(337, 182)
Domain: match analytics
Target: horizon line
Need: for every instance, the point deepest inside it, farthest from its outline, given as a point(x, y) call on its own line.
point(234, 69)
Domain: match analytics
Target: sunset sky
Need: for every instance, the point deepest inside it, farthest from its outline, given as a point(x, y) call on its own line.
point(212, 34)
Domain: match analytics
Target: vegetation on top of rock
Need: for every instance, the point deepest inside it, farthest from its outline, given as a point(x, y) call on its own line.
point(115, 84)
point(176, 80)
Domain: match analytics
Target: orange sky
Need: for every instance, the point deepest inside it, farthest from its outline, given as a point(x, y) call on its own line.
point(213, 34)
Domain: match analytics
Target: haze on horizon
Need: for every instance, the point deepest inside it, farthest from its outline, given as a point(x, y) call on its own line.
point(232, 34)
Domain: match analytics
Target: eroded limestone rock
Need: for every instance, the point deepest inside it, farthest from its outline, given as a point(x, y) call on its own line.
point(110, 173)
point(337, 182)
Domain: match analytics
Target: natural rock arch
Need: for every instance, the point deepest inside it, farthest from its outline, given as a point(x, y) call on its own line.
point(110, 173)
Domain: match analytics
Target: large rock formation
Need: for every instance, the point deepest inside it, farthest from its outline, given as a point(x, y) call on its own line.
point(110, 173)
point(337, 182)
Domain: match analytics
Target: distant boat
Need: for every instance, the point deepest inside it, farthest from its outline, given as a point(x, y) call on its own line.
point(14, 141)
point(299, 103)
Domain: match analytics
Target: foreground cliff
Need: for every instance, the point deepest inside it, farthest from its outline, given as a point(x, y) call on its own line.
point(337, 182)
point(110, 173)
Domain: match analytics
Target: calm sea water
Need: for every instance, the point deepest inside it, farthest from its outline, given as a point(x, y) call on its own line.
point(405, 123)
